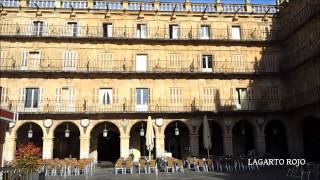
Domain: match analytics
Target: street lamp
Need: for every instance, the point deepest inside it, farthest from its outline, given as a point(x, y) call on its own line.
point(105, 131)
point(67, 132)
point(176, 130)
point(30, 132)
point(142, 131)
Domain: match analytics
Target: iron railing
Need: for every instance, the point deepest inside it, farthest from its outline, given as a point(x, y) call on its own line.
point(302, 53)
point(130, 66)
point(153, 106)
point(146, 6)
point(19, 173)
point(308, 97)
point(156, 33)
point(292, 19)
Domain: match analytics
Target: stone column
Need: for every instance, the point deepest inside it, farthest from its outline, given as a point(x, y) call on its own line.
point(218, 6)
point(10, 149)
point(194, 144)
point(160, 145)
point(90, 4)
point(124, 146)
point(248, 6)
point(187, 5)
point(227, 144)
point(156, 5)
point(84, 146)
point(125, 4)
point(47, 150)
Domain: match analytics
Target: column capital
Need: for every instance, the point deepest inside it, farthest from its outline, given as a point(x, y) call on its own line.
point(47, 138)
point(124, 137)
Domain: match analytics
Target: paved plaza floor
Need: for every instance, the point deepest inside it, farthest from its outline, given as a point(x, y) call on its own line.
point(276, 173)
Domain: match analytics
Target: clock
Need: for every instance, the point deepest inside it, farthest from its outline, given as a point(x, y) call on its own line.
point(159, 122)
point(47, 123)
point(12, 124)
point(85, 122)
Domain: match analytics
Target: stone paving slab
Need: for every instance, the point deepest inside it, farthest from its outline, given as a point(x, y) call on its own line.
point(107, 173)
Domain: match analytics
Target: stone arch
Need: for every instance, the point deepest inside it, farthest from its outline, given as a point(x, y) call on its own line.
point(217, 133)
point(243, 137)
point(185, 122)
point(57, 123)
point(66, 146)
point(105, 148)
point(155, 128)
point(178, 145)
point(275, 137)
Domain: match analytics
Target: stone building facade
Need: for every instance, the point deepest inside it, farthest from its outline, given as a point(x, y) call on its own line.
point(86, 67)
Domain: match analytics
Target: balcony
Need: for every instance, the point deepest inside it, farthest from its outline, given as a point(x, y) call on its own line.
point(130, 66)
point(292, 20)
point(301, 54)
point(10, 3)
point(305, 98)
point(125, 33)
point(155, 106)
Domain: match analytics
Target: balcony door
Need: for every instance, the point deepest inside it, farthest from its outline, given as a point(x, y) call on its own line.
point(141, 63)
point(30, 60)
point(141, 31)
point(205, 32)
point(174, 31)
point(107, 30)
point(37, 28)
point(69, 61)
point(65, 99)
point(207, 63)
point(142, 99)
point(235, 33)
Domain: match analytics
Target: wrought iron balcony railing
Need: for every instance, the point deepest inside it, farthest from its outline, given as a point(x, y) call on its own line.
point(302, 53)
point(146, 6)
point(293, 19)
point(156, 33)
point(130, 66)
point(305, 98)
point(155, 106)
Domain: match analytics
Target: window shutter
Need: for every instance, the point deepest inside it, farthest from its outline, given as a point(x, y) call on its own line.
point(79, 29)
point(150, 98)
point(65, 29)
point(72, 98)
point(41, 99)
point(22, 98)
point(3, 95)
point(74, 60)
point(29, 28)
point(115, 95)
point(133, 96)
point(58, 99)
point(24, 60)
point(46, 29)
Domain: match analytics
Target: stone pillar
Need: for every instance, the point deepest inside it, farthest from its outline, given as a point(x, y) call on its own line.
point(187, 5)
point(218, 6)
point(260, 143)
point(57, 3)
point(90, 4)
point(124, 146)
point(227, 144)
point(10, 149)
point(248, 6)
point(84, 146)
point(194, 144)
point(47, 150)
point(160, 145)
point(156, 4)
point(125, 4)
point(23, 3)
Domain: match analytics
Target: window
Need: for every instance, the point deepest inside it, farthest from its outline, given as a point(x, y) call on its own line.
point(141, 31)
point(205, 32)
point(241, 95)
point(105, 62)
point(238, 63)
point(174, 31)
point(236, 35)
point(37, 28)
point(175, 61)
point(272, 94)
point(207, 63)
point(107, 30)
point(72, 28)
point(105, 96)
point(65, 99)
point(69, 60)
point(30, 60)
point(141, 63)
point(175, 96)
point(142, 99)
point(32, 97)
point(209, 95)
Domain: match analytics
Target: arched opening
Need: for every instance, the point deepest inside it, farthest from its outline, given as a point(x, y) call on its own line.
point(105, 142)
point(177, 139)
point(311, 139)
point(30, 133)
point(138, 141)
point(276, 142)
point(216, 140)
point(66, 141)
point(242, 138)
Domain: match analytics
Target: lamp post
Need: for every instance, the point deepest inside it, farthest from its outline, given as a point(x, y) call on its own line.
point(176, 130)
point(67, 132)
point(105, 131)
point(142, 131)
point(30, 132)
